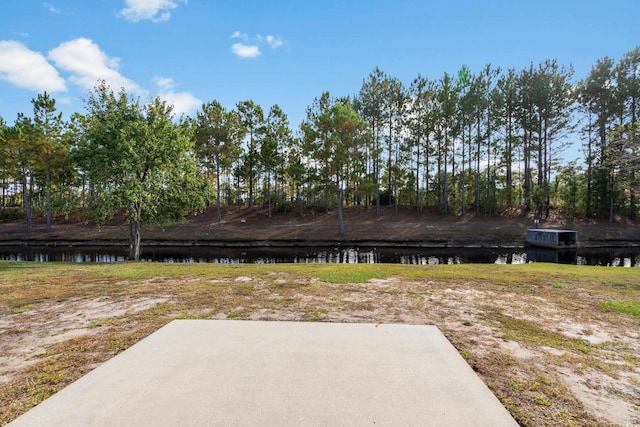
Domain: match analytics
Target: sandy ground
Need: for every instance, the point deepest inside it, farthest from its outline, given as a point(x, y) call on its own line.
point(26, 336)
point(594, 385)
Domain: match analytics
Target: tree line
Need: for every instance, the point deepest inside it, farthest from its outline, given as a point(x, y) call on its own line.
point(476, 142)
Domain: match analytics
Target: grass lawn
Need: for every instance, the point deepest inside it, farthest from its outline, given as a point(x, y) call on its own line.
point(558, 345)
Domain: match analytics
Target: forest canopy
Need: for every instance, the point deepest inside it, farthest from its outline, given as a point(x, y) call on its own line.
point(477, 141)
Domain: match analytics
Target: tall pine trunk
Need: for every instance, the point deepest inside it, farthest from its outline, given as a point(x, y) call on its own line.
point(395, 183)
point(27, 192)
point(509, 161)
point(48, 189)
point(376, 170)
point(478, 148)
point(489, 206)
point(269, 191)
point(418, 175)
point(632, 196)
point(589, 171)
point(463, 189)
point(218, 209)
point(251, 159)
point(340, 216)
point(445, 186)
point(527, 170)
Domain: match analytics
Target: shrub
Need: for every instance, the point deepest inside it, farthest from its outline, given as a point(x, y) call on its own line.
point(10, 214)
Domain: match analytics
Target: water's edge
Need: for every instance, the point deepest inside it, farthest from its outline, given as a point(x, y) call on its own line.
point(280, 243)
point(342, 252)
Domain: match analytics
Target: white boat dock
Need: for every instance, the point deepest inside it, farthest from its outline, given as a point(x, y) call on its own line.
point(551, 238)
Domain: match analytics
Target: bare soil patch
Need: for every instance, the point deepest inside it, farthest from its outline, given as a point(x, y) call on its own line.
point(26, 336)
point(539, 340)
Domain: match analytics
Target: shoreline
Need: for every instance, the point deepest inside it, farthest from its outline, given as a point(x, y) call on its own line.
point(308, 244)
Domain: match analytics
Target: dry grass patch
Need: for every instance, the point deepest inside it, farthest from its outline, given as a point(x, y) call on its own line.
point(543, 337)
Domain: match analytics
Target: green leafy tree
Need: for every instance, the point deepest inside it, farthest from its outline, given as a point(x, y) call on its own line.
point(51, 144)
point(418, 110)
point(370, 103)
point(20, 151)
point(296, 172)
point(276, 135)
point(528, 121)
point(252, 120)
point(217, 134)
point(570, 188)
point(508, 112)
point(4, 162)
point(139, 161)
point(628, 78)
point(599, 96)
point(477, 99)
point(334, 130)
point(316, 145)
point(447, 129)
point(552, 101)
point(466, 119)
point(395, 97)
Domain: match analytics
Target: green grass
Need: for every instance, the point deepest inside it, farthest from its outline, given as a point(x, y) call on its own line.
point(351, 274)
point(524, 331)
point(630, 307)
point(33, 283)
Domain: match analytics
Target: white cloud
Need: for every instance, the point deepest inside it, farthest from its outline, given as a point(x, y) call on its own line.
point(28, 69)
point(274, 42)
point(51, 8)
point(245, 51)
point(183, 102)
point(87, 64)
point(154, 10)
point(239, 35)
point(163, 83)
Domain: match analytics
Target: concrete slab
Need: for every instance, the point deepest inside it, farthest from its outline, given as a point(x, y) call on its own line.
point(240, 373)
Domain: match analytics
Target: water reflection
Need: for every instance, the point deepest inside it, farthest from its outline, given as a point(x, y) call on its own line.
point(618, 257)
point(338, 256)
point(551, 255)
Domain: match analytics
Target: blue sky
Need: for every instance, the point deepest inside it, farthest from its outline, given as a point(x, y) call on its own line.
point(285, 52)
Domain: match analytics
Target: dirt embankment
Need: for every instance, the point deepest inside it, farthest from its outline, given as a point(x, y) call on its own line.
point(363, 226)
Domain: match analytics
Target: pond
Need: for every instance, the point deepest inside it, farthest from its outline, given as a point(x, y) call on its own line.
point(624, 257)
